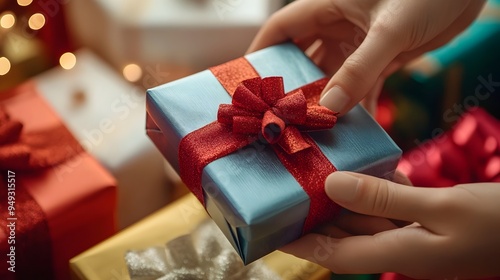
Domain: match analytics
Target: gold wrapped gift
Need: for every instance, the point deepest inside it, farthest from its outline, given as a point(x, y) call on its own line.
point(106, 260)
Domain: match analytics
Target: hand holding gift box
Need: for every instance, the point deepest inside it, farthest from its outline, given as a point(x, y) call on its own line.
point(467, 245)
point(261, 196)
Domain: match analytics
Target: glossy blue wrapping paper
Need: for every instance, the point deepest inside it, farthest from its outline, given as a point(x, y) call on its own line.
point(251, 196)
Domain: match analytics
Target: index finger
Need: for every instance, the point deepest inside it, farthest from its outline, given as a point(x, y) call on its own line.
point(298, 20)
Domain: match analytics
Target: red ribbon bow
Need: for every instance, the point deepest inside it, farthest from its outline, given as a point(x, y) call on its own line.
point(261, 109)
point(31, 151)
point(260, 106)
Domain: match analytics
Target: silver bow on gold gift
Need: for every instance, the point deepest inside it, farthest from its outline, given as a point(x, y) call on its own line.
point(203, 254)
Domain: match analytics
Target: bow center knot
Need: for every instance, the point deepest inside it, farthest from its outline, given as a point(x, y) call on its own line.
point(261, 107)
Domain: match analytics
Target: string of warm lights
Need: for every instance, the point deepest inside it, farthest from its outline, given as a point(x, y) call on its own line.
point(9, 21)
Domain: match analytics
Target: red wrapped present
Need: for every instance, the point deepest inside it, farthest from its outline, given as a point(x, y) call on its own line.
point(57, 201)
point(468, 153)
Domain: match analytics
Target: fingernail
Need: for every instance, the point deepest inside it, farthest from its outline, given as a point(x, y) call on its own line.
point(341, 187)
point(335, 99)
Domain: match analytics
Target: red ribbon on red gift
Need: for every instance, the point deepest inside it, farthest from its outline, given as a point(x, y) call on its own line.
point(29, 152)
point(261, 109)
point(467, 153)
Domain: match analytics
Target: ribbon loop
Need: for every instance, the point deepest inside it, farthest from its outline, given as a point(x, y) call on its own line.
point(261, 106)
point(292, 108)
point(318, 118)
point(246, 125)
point(254, 85)
point(243, 97)
point(272, 127)
point(227, 112)
point(272, 90)
point(292, 141)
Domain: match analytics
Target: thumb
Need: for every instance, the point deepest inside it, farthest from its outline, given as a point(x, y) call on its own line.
point(360, 71)
point(378, 197)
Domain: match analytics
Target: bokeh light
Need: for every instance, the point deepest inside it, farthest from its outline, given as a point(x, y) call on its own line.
point(36, 21)
point(7, 20)
point(132, 72)
point(490, 145)
point(493, 167)
point(67, 60)
point(4, 66)
point(24, 3)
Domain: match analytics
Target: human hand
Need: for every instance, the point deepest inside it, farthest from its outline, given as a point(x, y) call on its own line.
point(361, 42)
point(455, 232)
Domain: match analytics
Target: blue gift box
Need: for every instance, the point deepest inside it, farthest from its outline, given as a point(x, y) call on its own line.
point(251, 196)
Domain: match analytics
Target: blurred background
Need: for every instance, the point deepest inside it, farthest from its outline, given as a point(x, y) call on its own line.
point(178, 37)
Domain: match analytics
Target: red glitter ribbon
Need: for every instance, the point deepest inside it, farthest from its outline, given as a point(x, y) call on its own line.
point(29, 152)
point(261, 109)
